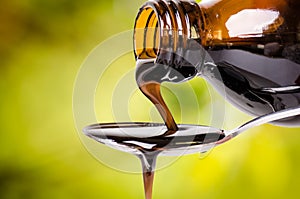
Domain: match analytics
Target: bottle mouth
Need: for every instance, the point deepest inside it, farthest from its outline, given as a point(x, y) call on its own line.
point(162, 29)
point(146, 33)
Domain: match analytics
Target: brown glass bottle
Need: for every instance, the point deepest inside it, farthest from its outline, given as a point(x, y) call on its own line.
point(249, 50)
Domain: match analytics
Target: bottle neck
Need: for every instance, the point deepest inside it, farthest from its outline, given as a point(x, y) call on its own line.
point(168, 32)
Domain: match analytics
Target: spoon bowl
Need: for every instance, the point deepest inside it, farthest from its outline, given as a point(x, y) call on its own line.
point(150, 138)
point(137, 138)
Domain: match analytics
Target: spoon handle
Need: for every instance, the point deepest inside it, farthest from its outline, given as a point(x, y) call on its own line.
point(289, 112)
point(280, 90)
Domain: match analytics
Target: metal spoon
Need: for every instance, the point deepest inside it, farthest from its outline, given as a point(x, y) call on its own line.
point(132, 137)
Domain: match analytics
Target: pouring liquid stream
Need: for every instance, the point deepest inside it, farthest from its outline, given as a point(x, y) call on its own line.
point(151, 89)
point(148, 166)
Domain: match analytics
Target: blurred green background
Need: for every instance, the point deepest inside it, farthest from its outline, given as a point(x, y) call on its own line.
point(42, 45)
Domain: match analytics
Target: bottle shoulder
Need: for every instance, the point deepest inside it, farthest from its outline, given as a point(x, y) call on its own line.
point(232, 23)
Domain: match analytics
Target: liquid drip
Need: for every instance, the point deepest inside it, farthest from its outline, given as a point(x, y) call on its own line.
point(148, 162)
point(148, 183)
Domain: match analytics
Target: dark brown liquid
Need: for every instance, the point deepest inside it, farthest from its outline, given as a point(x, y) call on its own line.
point(148, 140)
point(148, 183)
point(136, 138)
point(149, 76)
point(152, 91)
point(148, 172)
